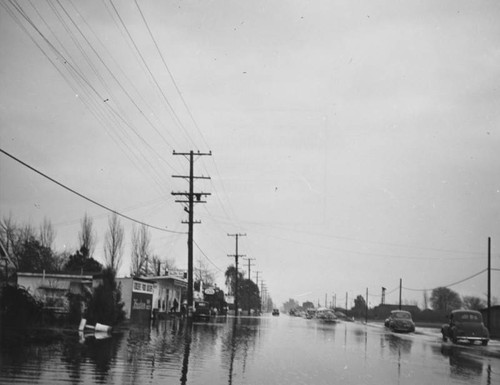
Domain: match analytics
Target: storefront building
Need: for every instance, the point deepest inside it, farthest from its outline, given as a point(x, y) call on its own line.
point(137, 295)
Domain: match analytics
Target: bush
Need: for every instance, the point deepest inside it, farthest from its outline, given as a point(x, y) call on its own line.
point(105, 305)
point(18, 308)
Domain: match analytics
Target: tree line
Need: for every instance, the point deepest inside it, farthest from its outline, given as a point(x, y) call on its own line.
point(442, 300)
point(31, 249)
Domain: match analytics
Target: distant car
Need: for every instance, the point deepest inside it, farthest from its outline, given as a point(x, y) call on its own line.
point(276, 312)
point(201, 310)
point(465, 325)
point(400, 321)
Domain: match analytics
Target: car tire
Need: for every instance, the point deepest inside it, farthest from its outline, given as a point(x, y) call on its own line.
point(454, 338)
point(484, 343)
point(444, 338)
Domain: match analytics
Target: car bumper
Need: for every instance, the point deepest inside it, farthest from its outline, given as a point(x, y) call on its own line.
point(472, 338)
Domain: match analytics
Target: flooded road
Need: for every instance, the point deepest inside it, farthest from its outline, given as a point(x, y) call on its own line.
point(266, 350)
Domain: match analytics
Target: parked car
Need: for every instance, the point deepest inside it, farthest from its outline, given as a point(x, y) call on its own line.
point(326, 315)
point(276, 312)
point(201, 310)
point(400, 321)
point(465, 325)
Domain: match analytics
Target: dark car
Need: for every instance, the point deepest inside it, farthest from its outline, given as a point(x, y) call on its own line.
point(400, 321)
point(465, 325)
point(201, 310)
point(276, 312)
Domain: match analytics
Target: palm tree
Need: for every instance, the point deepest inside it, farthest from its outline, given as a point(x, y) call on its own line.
point(231, 279)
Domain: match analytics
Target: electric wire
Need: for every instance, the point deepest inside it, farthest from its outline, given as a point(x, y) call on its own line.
point(87, 198)
point(80, 79)
point(451, 284)
point(171, 110)
point(208, 259)
point(116, 79)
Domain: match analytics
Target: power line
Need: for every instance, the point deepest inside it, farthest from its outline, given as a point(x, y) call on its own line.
point(80, 79)
point(206, 256)
point(451, 284)
point(87, 198)
point(171, 109)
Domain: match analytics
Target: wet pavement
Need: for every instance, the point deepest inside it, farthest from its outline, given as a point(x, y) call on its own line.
point(265, 350)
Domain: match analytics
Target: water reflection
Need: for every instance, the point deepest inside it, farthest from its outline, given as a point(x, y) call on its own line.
point(397, 344)
point(187, 350)
point(243, 351)
point(241, 337)
point(462, 364)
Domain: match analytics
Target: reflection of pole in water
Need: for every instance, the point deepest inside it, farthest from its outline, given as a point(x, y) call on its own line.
point(233, 351)
point(187, 350)
point(399, 364)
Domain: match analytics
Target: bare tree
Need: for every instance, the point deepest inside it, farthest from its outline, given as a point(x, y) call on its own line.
point(162, 265)
point(169, 264)
point(156, 262)
point(47, 233)
point(204, 274)
point(26, 233)
point(87, 236)
point(113, 243)
point(140, 251)
point(9, 233)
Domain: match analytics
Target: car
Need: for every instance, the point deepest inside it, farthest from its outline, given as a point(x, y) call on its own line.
point(465, 325)
point(201, 310)
point(276, 312)
point(400, 321)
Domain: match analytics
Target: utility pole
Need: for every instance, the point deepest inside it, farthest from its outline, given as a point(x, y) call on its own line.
point(366, 312)
point(257, 277)
point(346, 296)
point(189, 200)
point(383, 295)
point(236, 256)
point(262, 293)
point(400, 291)
point(488, 316)
point(249, 261)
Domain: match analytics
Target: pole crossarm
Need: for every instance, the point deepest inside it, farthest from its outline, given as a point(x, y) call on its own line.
point(188, 177)
point(198, 153)
point(236, 256)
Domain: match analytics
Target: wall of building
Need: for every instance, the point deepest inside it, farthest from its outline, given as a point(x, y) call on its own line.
point(137, 295)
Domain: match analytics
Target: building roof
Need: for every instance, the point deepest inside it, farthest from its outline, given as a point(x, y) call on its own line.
point(140, 279)
point(161, 278)
point(55, 275)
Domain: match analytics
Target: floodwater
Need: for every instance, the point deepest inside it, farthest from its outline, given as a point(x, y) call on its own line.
point(264, 350)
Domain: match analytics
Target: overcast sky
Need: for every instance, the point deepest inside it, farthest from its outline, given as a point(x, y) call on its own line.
point(353, 142)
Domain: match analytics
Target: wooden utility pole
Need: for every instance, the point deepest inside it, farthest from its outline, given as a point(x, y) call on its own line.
point(366, 311)
point(488, 316)
point(400, 290)
point(257, 277)
point(236, 256)
point(249, 261)
point(189, 200)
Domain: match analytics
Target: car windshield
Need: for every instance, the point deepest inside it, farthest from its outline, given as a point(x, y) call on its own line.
point(401, 315)
point(468, 317)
